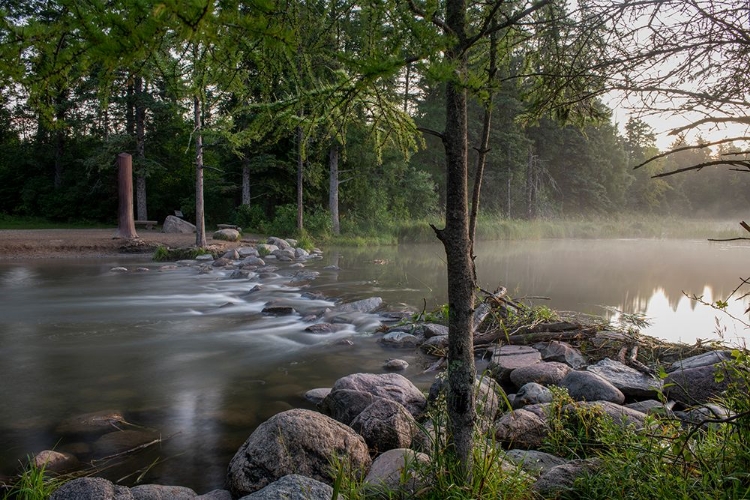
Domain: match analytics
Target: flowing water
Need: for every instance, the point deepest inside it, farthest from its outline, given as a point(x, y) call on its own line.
point(192, 356)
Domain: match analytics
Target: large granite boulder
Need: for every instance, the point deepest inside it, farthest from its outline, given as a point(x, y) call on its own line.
point(227, 235)
point(91, 488)
point(694, 386)
point(343, 405)
point(588, 386)
point(394, 471)
point(160, 492)
point(386, 385)
point(174, 224)
point(507, 358)
point(294, 487)
point(295, 441)
point(705, 359)
point(631, 382)
point(521, 429)
point(550, 373)
point(385, 425)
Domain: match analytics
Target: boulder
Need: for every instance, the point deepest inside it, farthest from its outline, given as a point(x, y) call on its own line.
point(435, 345)
point(487, 392)
point(429, 330)
point(316, 396)
point(693, 386)
point(174, 224)
point(159, 492)
point(247, 252)
point(394, 471)
point(265, 249)
point(323, 328)
point(561, 478)
point(97, 422)
point(215, 495)
point(295, 441)
point(651, 407)
point(396, 365)
point(294, 487)
point(531, 394)
point(387, 385)
point(252, 261)
point(232, 254)
point(587, 386)
point(562, 353)
point(400, 339)
point(343, 405)
point(534, 462)
point(705, 359)
point(507, 358)
point(301, 253)
point(360, 306)
point(550, 373)
point(521, 429)
point(278, 242)
point(279, 310)
point(303, 276)
point(241, 274)
point(631, 382)
point(385, 425)
point(55, 461)
point(91, 488)
point(620, 415)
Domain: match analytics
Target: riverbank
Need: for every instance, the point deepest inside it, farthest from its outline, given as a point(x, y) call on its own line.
point(90, 243)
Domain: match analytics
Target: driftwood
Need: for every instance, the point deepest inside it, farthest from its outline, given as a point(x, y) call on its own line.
point(529, 337)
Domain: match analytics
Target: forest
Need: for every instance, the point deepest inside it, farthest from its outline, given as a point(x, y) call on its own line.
point(326, 105)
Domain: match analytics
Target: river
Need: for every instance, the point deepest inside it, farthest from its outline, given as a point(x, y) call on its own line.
point(192, 356)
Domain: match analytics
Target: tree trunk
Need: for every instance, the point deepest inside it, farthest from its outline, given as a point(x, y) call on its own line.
point(333, 187)
point(125, 221)
point(531, 186)
point(457, 243)
point(246, 180)
point(200, 223)
point(140, 150)
point(59, 137)
point(300, 169)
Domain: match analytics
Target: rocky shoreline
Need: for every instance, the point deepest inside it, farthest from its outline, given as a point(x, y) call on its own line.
point(377, 423)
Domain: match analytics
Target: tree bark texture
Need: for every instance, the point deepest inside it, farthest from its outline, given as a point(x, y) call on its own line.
point(246, 180)
point(125, 221)
point(300, 169)
point(333, 187)
point(457, 243)
point(200, 222)
point(140, 150)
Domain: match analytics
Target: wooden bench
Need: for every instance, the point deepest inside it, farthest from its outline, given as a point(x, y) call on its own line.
point(150, 224)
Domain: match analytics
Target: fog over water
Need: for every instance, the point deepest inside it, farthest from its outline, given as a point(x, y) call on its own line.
point(192, 356)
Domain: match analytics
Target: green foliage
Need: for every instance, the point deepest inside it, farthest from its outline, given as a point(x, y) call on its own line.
point(33, 483)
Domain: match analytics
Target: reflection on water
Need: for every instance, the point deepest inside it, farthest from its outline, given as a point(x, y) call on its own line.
point(192, 355)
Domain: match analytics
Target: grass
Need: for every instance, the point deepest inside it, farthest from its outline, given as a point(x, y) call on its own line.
point(33, 483)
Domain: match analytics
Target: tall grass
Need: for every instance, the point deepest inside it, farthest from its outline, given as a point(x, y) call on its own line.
point(33, 483)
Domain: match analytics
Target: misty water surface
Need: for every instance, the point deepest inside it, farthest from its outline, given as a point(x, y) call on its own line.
point(191, 355)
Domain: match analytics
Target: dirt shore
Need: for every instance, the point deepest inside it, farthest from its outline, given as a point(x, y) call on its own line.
point(76, 243)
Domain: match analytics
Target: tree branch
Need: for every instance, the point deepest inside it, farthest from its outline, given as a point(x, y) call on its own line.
point(431, 132)
point(699, 166)
point(687, 148)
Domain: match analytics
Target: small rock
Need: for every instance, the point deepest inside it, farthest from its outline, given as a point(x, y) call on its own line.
point(325, 328)
point(396, 365)
point(119, 270)
point(55, 461)
point(227, 235)
point(534, 462)
point(530, 394)
point(562, 477)
point(316, 396)
point(97, 422)
point(400, 339)
point(279, 310)
point(563, 353)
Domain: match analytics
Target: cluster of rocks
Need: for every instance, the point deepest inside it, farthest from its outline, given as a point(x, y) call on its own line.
point(376, 426)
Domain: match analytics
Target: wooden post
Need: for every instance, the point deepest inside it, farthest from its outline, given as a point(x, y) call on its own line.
point(125, 220)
